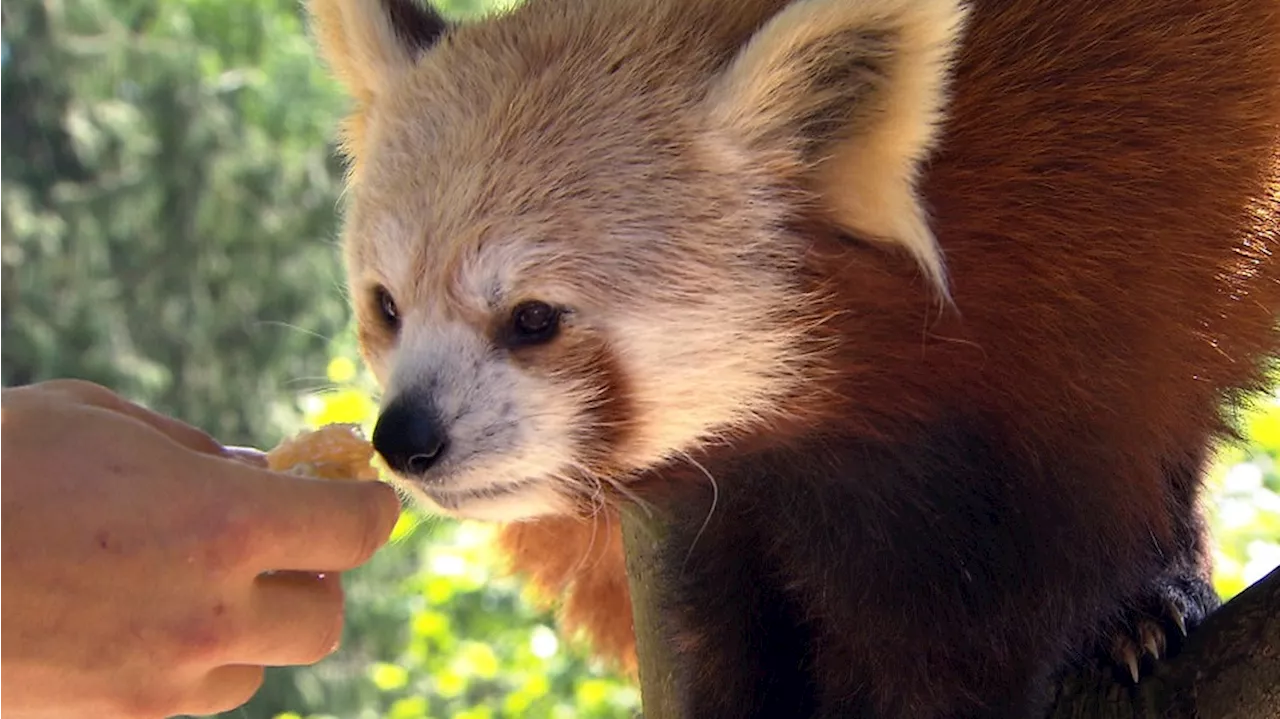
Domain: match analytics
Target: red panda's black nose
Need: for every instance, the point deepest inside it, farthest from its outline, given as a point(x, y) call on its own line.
point(410, 436)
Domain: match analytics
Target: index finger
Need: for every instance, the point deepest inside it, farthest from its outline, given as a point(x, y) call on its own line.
point(96, 395)
point(302, 524)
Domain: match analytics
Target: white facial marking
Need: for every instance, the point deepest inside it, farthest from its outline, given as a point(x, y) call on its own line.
point(505, 426)
point(687, 385)
point(497, 504)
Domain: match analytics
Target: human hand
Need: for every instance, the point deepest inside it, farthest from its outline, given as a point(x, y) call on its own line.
point(138, 552)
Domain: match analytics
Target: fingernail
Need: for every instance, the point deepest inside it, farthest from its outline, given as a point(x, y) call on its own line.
point(248, 455)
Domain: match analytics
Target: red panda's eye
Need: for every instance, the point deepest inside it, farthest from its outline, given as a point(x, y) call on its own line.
point(387, 307)
point(534, 322)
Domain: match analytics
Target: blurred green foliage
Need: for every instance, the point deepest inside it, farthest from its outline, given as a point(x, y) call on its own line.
point(168, 204)
point(168, 211)
point(1244, 500)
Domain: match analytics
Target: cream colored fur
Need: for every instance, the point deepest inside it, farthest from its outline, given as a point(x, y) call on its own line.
point(868, 181)
point(360, 44)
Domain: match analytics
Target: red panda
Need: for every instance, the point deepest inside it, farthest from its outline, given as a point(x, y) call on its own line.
point(917, 317)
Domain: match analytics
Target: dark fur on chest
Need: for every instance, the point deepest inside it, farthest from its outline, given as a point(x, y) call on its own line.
point(942, 576)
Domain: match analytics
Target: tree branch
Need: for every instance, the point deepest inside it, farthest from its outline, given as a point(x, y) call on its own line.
point(1229, 667)
point(642, 537)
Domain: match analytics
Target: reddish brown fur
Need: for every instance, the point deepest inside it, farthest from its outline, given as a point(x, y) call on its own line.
point(1102, 197)
point(588, 361)
point(591, 577)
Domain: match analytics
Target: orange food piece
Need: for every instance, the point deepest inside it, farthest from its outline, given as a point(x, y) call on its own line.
point(335, 451)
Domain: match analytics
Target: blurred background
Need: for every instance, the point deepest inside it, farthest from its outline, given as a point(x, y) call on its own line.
point(168, 221)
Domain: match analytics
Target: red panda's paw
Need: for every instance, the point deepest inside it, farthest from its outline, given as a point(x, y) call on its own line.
point(1157, 626)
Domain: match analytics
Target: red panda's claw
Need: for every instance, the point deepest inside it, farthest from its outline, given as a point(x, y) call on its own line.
point(1175, 613)
point(1130, 646)
point(1128, 649)
point(1126, 653)
point(1131, 661)
point(1153, 639)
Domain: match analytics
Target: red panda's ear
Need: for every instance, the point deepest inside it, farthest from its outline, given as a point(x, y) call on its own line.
point(368, 42)
point(849, 96)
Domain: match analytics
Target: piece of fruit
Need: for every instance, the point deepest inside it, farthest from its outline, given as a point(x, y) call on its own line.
point(335, 451)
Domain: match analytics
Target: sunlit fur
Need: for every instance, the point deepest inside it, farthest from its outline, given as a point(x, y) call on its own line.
point(752, 208)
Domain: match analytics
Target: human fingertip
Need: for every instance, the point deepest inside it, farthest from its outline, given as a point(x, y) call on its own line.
point(386, 502)
point(379, 507)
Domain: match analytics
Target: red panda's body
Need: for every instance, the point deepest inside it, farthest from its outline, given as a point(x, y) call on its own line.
point(958, 498)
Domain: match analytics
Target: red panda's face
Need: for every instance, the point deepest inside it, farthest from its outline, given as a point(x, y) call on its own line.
point(557, 296)
point(567, 241)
